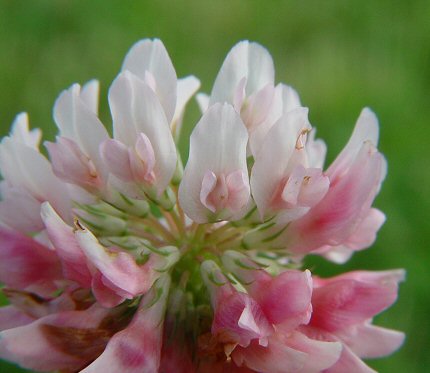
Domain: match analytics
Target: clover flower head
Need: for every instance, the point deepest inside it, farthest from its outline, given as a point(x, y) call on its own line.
point(117, 258)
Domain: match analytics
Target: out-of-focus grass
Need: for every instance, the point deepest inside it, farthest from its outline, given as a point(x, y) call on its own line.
point(340, 56)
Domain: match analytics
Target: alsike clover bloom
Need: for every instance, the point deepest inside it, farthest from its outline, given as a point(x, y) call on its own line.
point(116, 258)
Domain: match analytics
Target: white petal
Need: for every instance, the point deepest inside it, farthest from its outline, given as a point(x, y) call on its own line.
point(366, 129)
point(217, 144)
point(285, 99)
point(77, 121)
point(186, 88)
point(273, 158)
point(21, 133)
point(202, 101)
point(245, 60)
point(90, 95)
point(23, 166)
point(151, 56)
point(136, 109)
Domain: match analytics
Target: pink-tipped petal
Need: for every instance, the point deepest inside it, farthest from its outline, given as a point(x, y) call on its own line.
point(337, 216)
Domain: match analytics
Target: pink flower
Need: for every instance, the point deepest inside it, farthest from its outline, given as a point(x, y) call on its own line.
point(116, 258)
point(343, 310)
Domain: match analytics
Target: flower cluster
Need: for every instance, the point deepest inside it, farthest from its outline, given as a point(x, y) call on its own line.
point(116, 258)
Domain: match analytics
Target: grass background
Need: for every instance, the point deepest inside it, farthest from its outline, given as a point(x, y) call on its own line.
point(339, 55)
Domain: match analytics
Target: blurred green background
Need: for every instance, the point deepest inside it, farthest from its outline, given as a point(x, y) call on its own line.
point(339, 55)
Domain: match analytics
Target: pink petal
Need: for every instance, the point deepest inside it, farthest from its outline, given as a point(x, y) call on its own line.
point(70, 164)
point(366, 129)
point(321, 354)
point(52, 342)
point(137, 348)
point(116, 157)
point(208, 185)
point(72, 257)
point(19, 209)
point(257, 106)
point(339, 213)
point(369, 341)
point(105, 295)
point(341, 303)
point(349, 362)
point(24, 167)
point(286, 298)
point(76, 118)
point(24, 262)
point(119, 268)
point(239, 319)
point(12, 317)
point(276, 358)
